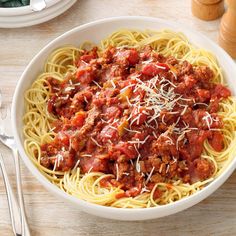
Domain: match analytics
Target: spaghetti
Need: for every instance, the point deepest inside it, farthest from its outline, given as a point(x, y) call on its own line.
point(158, 62)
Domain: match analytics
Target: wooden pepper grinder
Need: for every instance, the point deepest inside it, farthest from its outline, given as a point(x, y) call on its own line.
point(227, 34)
point(208, 9)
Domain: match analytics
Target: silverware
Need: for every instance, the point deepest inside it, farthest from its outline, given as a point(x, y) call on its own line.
point(8, 140)
point(12, 202)
point(37, 5)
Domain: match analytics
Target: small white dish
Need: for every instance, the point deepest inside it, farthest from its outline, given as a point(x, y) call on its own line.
point(95, 32)
point(25, 16)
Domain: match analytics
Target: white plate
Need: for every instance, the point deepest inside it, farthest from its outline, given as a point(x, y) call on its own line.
point(17, 11)
point(27, 17)
point(96, 31)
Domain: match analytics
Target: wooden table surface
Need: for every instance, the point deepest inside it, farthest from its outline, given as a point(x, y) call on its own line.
point(49, 216)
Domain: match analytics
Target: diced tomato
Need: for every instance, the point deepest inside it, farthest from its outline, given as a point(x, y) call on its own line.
point(87, 58)
point(133, 56)
point(217, 141)
point(85, 75)
point(153, 69)
point(127, 149)
point(108, 133)
point(157, 193)
point(150, 69)
point(221, 91)
point(196, 141)
point(93, 164)
point(78, 119)
point(120, 195)
point(203, 95)
point(129, 55)
point(62, 138)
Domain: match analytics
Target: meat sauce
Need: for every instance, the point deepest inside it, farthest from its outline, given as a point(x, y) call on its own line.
point(137, 115)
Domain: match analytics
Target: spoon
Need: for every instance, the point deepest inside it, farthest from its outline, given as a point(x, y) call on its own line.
point(37, 5)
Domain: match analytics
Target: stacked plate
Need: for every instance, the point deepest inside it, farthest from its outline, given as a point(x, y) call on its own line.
point(25, 16)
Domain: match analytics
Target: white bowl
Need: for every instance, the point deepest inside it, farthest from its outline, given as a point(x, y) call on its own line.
point(16, 11)
point(24, 16)
point(96, 31)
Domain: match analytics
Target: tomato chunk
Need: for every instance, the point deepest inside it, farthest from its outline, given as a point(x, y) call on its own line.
point(129, 56)
point(152, 69)
point(78, 119)
point(127, 149)
point(85, 75)
point(221, 91)
point(108, 133)
point(217, 141)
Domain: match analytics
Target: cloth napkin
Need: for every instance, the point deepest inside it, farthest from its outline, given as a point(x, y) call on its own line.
point(14, 3)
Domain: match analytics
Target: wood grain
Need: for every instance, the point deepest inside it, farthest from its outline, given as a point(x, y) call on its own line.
point(49, 216)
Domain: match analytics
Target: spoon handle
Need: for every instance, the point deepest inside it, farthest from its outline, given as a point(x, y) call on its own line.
point(12, 202)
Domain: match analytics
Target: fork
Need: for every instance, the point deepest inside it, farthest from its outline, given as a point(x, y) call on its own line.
point(8, 140)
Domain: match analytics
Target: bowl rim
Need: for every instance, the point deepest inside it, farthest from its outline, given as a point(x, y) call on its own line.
point(105, 211)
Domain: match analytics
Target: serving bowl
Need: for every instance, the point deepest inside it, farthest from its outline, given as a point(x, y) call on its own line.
point(95, 32)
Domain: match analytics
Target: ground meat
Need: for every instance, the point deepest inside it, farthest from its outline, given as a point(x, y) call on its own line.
point(203, 169)
point(171, 60)
point(93, 114)
point(203, 73)
point(45, 161)
point(77, 140)
point(164, 145)
point(185, 68)
point(81, 98)
point(157, 178)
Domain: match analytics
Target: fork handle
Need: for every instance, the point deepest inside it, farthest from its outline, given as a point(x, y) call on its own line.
point(25, 228)
point(13, 205)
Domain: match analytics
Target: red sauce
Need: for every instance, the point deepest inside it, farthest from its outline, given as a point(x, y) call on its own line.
point(137, 115)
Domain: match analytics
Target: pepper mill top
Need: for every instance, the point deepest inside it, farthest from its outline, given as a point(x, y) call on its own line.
point(208, 9)
point(227, 33)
